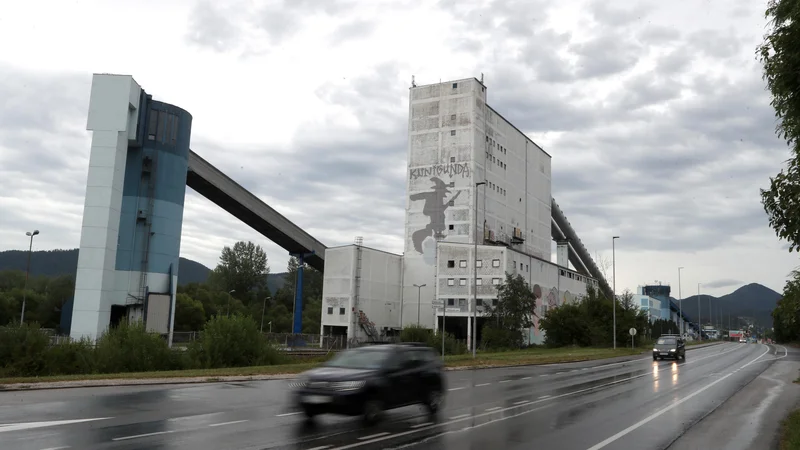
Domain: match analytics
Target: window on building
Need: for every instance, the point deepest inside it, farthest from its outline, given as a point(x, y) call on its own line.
point(452, 132)
point(496, 281)
point(452, 159)
point(520, 267)
point(462, 263)
point(487, 138)
point(451, 203)
point(479, 281)
point(494, 302)
point(330, 309)
point(451, 302)
point(451, 227)
point(452, 184)
point(479, 263)
point(479, 302)
point(152, 125)
point(452, 117)
point(341, 311)
point(495, 263)
point(527, 268)
point(455, 85)
point(462, 282)
point(451, 281)
point(462, 302)
point(451, 263)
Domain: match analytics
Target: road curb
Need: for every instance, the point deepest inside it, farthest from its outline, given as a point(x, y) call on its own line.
point(235, 378)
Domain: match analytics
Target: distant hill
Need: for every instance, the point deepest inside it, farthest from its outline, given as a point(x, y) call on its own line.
point(53, 263)
point(752, 300)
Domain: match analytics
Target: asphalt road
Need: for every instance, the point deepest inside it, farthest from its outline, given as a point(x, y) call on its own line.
point(638, 403)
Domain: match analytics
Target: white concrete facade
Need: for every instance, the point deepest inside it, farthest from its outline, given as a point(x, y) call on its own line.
point(113, 116)
point(371, 286)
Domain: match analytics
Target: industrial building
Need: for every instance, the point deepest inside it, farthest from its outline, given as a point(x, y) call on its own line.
point(133, 211)
point(467, 166)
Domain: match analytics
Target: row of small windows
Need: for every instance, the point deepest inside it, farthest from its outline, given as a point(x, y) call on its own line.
point(490, 157)
point(162, 127)
point(492, 143)
point(496, 188)
point(526, 267)
point(463, 263)
point(478, 281)
point(341, 310)
point(463, 302)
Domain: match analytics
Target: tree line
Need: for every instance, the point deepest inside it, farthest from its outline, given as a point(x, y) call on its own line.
point(779, 55)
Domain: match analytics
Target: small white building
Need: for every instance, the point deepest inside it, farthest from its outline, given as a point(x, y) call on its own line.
point(455, 142)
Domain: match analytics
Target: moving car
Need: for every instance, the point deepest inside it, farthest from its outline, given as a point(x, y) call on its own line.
point(669, 346)
point(367, 381)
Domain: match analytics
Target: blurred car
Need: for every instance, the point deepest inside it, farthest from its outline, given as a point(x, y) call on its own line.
point(742, 340)
point(669, 346)
point(369, 380)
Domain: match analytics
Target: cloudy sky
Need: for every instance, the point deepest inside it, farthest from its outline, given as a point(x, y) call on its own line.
point(654, 112)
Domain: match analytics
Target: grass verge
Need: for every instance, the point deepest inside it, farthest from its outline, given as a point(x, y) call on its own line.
point(508, 358)
point(790, 433)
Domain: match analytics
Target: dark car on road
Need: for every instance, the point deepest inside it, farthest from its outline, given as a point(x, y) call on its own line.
point(669, 346)
point(369, 380)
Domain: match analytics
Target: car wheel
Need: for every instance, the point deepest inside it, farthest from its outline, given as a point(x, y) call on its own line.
point(434, 400)
point(373, 408)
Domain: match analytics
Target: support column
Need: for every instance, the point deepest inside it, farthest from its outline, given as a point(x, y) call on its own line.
point(562, 253)
point(297, 324)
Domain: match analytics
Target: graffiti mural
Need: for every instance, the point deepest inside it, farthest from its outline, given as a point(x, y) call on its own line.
point(436, 203)
point(439, 170)
point(553, 299)
point(537, 308)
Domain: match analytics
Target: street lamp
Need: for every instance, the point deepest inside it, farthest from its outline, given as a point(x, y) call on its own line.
point(419, 297)
point(614, 275)
point(229, 301)
point(699, 321)
point(263, 310)
point(27, 273)
point(475, 274)
point(680, 301)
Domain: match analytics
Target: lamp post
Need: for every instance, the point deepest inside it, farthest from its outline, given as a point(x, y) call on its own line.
point(419, 298)
point(30, 234)
point(680, 301)
point(229, 301)
point(263, 310)
point(614, 275)
point(699, 320)
point(475, 274)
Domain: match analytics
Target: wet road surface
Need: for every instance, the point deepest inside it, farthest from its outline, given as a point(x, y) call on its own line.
point(640, 403)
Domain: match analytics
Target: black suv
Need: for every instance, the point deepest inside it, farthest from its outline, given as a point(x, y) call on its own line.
point(669, 346)
point(369, 380)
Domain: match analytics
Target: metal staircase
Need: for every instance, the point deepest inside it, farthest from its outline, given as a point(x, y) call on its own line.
point(145, 218)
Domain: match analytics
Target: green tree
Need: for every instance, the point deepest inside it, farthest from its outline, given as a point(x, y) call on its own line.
point(514, 312)
point(189, 314)
point(242, 268)
point(780, 56)
point(786, 315)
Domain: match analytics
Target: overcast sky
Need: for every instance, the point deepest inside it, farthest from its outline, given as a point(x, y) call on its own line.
point(654, 112)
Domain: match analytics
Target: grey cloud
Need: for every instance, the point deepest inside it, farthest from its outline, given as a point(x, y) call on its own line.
point(657, 34)
point(716, 44)
point(540, 55)
point(355, 29)
point(722, 283)
point(676, 61)
point(605, 55)
point(645, 89)
point(209, 27)
point(604, 13)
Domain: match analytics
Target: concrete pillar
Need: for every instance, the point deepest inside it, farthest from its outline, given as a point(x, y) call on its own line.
point(562, 253)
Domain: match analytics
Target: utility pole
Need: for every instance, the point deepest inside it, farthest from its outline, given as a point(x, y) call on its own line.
point(475, 273)
point(699, 320)
point(30, 234)
point(680, 301)
point(419, 298)
point(614, 275)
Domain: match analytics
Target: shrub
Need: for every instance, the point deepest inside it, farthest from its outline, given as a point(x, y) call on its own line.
point(131, 348)
point(70, 358)
point(22, 350)
point(233, 341)
point(415, 333)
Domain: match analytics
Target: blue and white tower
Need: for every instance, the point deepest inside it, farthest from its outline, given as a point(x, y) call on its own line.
point(133, 212)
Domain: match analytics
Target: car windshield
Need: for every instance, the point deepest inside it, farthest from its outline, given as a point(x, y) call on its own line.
point(666, 341)
point(362, 358)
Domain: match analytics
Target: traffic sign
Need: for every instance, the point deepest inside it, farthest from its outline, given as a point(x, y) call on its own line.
point(632, 331)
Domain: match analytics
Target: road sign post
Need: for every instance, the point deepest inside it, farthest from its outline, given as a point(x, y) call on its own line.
point(632, 332)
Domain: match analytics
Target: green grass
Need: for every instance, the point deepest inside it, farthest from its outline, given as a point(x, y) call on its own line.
point(790, 433)
point(508, 358)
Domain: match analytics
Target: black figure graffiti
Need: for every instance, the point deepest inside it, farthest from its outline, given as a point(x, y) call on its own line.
point(434, 208)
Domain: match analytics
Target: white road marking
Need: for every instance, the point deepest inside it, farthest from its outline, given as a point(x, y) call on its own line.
point(455, 389)
point(522, 402)
point(505, 381)
point(125, 438)
point(482, 384)
point(493, 408)
point(527, 378)
point(228, 423)
point(559, 373)
point(460, 416)
point(662, 411)
point(373, 436)
point(56, 448)
point(288, 414)
point(420, 425)
point(321, 447)
point(51, 423)
point(544, 375)
point(543, 397)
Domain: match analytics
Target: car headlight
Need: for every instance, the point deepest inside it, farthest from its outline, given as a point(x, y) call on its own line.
point(348, 385)
point(655, 349)
point(672, 349)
